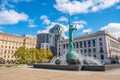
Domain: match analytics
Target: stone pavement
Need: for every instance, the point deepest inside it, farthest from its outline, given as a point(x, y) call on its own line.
point(26, 73)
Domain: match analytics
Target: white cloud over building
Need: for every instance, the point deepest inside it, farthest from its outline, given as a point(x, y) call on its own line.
point(113, 29)
point(85, 6)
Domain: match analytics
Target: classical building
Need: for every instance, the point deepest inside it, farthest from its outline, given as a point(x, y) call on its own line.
point(10, 43)
point(49, 40)
point(99, 45)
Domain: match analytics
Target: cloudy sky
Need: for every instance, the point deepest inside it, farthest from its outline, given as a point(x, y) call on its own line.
point(35, 16)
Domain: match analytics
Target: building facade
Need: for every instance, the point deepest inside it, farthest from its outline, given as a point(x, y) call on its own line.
point(10, 43)
point(50, 39)
point(45, 46)
point(100, 45)
point(42, 38)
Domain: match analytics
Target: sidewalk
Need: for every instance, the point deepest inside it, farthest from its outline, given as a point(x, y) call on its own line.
point(44, 74)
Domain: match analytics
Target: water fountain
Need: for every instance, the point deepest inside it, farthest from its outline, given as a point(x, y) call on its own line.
point(72, 61)
point(71, 57)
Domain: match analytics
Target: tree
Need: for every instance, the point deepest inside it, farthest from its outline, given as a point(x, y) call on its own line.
point(22, 55)
point(29, 56)
point(46, 55)
point(35, 55)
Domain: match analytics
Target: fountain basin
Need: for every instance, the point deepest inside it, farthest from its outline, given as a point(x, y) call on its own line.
point(58, 67)
point(100, 67)
point(78, 67)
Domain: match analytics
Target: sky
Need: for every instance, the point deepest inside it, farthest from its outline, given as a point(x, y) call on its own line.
point(38, 16)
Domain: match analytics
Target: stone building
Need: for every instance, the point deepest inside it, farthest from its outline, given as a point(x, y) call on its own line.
point(10, 43)
point(100, 45)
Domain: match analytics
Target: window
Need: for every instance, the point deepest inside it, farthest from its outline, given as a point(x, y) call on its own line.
point(85, 50)
point(5, 51)
point(77, 45)
point(12, 47)
point(101, 49)
point(63, 45)
point(66, 45)
point(84, 43)
point(81, 51)
point(1, 46)
point(80, 44)
point(100, 39)
point(89, 50)
point(93, 42)
point(100, 43)
point(102, 57)
point(94, 49)
point(12, 51)
point(8, 51)
point(89, 43)
point(94, 56)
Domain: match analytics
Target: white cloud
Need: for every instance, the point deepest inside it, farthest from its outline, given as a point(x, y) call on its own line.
point(8, 4)
point(45, 19)
point(43, 31)
point(113, 29)
point(12, 17)
point(63, 19)
point(80, 24)
point(87, 30)
point(85, 6)
point(31, 23)
point(52, 25)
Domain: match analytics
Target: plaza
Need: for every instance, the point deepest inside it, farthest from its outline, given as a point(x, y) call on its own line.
point(26, 73)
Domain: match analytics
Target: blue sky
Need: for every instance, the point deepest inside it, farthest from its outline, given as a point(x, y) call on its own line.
point(36, 16)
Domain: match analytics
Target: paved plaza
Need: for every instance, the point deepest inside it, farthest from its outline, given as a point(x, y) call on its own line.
point(45, 74)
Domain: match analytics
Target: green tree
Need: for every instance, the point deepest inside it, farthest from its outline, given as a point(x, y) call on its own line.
point(22, 55)
point(29, 56)
point(35, 55)
point(46, 55)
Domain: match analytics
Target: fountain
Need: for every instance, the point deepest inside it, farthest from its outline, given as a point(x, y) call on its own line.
point(71, 57)
point(73, 61)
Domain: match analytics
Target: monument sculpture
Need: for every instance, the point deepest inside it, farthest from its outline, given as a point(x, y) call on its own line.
point(71, 56)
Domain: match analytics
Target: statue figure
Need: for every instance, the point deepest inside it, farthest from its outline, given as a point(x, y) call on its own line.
point(71, 56)
point(71, 29)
